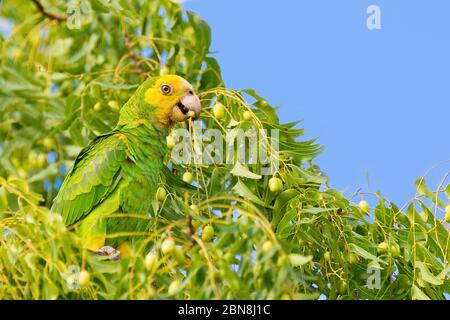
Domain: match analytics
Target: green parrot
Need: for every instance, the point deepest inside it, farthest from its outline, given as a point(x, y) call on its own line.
point(118, 172)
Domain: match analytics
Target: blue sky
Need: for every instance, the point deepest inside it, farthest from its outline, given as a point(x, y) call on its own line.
point(379, 100)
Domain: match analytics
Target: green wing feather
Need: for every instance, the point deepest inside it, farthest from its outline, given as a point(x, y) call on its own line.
point(93, 177)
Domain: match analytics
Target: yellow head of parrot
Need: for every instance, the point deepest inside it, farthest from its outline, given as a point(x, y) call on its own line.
point(174, 99)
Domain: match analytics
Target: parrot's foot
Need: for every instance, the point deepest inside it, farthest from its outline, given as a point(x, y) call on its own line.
point(109, 252)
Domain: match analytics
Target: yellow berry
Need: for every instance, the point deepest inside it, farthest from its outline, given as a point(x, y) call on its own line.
point(161, 194)
point(179, 254)
point(342, 286)
point(275, 184)
point(22, 173)
point(194, 208)
point(286, 296)
point(247, 115)
point(218, 110)
point(5, 127)
point(394, 249)
point(327, 256)
point(49, 143)
point(383, 247)
point(352, 258)
point(113, 104)
point(188, 177)
point(364, 206)
point(267, 246)
point(167, 246)
point(174, 287)
point(84, 278)
point(151, 261)
point(97, 107)
point(41, 160)
point(208, 233)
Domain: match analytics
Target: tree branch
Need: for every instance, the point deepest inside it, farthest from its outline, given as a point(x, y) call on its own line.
point(135, 57)
point(46, 14)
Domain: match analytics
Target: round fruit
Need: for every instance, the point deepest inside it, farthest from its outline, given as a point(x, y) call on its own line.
point(228, 256)
point(84, 278)
point(447, 213)
point(352, 258)
point(286, 296)
point(264, 103)
point(48, 143)
point(342, 286)
point(281, 261)
point(32, 161)
point(194, 208)
point(113, 104)
point(275, 184)
point(247, 115)
point(41, 160)
point(5, 127)
point(97, 107)
point(161, 194)
point(327, 256)
point(167, 246)
point(364, 206)
point(218, 110)
point(267, 246)
point(174, 287)
point(208, 233)
point(151, 261)
point(171, 143)
point(22, 173)
point(383, 247)
point(394, 249)
point(179, 254)
point(188, 177)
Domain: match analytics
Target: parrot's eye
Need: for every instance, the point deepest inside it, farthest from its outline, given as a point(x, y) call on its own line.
point(166, 89)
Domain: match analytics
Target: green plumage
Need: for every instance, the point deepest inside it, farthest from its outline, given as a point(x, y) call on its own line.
point(117, 172)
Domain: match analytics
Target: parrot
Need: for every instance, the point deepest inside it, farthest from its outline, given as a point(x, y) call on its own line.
point(118, 172)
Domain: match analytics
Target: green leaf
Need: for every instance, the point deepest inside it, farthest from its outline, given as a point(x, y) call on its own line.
point(99, 5)
point(241, 189)
point(298, 260)
point(364, 253)
point(280, 205)
point(426, 275)
point(418, 294)
point(241, 171)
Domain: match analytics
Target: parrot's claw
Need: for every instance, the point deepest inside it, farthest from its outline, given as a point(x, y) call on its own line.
point(109, 252)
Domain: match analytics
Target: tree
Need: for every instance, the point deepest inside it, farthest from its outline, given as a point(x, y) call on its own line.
point(66, 69)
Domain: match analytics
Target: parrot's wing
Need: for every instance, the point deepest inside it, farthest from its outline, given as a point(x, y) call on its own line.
point(93, 177)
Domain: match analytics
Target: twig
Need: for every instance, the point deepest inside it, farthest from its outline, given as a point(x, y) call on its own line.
point(191, 229)
point(135, 57)
point(51, 16)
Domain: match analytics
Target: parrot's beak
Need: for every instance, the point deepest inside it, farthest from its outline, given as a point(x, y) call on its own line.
point(190, 106)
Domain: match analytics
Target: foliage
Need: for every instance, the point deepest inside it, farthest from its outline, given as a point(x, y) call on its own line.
point(61, 86)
